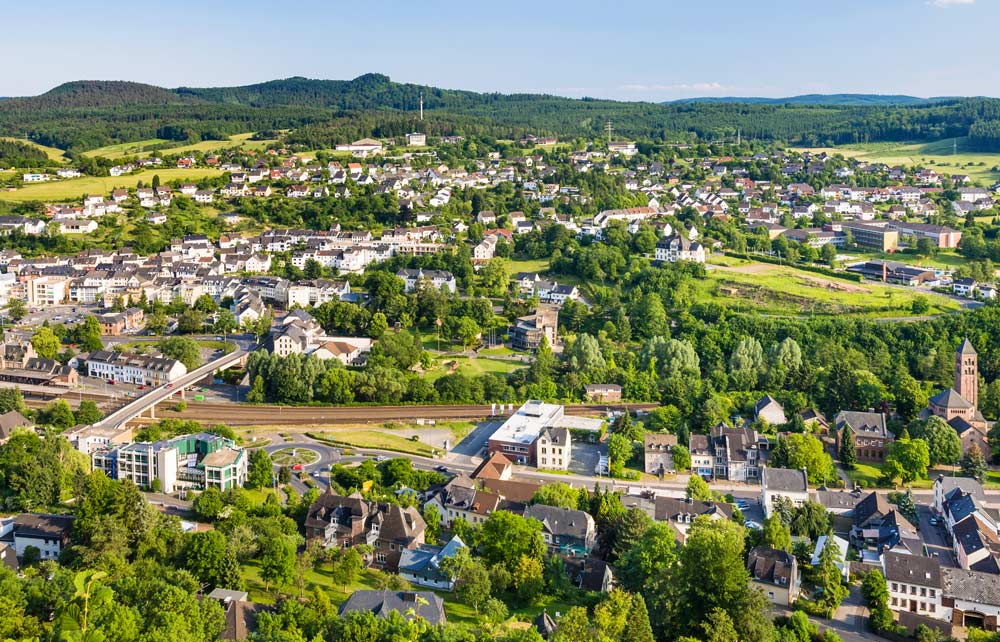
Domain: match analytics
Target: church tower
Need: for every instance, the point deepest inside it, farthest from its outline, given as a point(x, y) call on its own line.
point(967, 373)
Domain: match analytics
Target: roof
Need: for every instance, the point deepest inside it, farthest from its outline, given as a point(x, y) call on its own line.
point(862, 423)
point(837, 499)
point(670, 508)
point(872, 505)
point(912, 569)
point(562, 521)
point(222, 457)
point(493, 467)
point(11, 420)
point(425, 604)
point(40, 525)
point(972, 586)
point(966, 347)
point(771, 566)
point(966, 484)
point(950, 399)
point(784, 480)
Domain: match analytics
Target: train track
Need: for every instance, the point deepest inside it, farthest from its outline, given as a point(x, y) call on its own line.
point(245, 415)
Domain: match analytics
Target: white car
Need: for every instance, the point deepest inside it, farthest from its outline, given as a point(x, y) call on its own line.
point(753, 525)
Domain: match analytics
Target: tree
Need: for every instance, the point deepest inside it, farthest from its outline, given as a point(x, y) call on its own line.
point(505, 537)
point(682, 457)
point(277, 561)
point(156, 322)
point(184, 349)
point(17, 309)
point(209, 557)
point(697, 488)
point(801, 450)
point(527, 577)
point(746, 363)
point(556, 494)
point(191, 321)
point(11, 400)
point(649, 318)
point(974, 463)
point(827, 577)
point(848, 452)
point(619, 452)
point(88, 334)
point(46, 343)
point(908, 459)
point(208, 504)
point(347, 567)
point(943, 443)
point(472, 580)
point(776, 534)
point(225, 322)
point(57, 414)
point(876, 595)
point(810, 519)
point(88, 412)
point(261, 470)
point(712, 576)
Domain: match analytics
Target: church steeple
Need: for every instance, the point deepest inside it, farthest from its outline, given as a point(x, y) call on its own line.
point(967, 373)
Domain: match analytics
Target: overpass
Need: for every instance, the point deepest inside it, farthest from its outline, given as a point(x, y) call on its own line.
point(148, 401)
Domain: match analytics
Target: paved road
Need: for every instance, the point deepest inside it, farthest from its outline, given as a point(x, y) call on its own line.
point(934, 537)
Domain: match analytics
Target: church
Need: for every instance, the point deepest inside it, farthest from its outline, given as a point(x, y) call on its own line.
point(959, 406)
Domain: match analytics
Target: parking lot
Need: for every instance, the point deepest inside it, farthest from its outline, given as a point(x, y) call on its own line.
point(473, 443)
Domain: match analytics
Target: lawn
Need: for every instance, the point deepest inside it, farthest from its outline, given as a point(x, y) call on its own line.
point(374, 439)
point(529, 265)
point(133, 148)
point(293, 456)
point(78, 187)
point(785, 290)
point(471, 367)
point(53, 153)
point(871, 473)
point(979, 166)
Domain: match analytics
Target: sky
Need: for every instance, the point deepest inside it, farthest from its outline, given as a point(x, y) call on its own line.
point(629, 50)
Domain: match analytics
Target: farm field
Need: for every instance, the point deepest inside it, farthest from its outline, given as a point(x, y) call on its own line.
point(52, 152)
point(77, 187)
point(979, 166)
point(130, 149)
point(787, 291)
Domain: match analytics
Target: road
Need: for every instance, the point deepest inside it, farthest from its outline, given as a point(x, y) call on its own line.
point(135, 408)
point(934, 537)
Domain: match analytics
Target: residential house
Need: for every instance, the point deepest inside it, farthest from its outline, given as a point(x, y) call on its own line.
point(659, 453)
point(50, 534)
point(872, 437)
point(789, 484)
point(567, 532)
point(774, 572)
point(769, 410)
point(422, 565)
point(681, 512)
point(425, 605)
point(914, 583)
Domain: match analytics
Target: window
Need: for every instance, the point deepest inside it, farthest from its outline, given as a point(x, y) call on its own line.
point(380, 558)
point(895, 586)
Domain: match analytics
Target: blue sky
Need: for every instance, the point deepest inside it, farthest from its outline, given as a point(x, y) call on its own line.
point(630, 49)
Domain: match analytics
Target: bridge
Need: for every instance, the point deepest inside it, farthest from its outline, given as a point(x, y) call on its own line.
point(148, 401)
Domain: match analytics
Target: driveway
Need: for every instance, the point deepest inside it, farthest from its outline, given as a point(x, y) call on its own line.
point(472, 444)
point(935, 540)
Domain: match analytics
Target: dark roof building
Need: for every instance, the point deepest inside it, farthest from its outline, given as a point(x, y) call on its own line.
point(425, 604)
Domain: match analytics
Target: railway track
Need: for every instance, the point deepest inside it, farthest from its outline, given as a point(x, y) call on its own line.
point(244, 415)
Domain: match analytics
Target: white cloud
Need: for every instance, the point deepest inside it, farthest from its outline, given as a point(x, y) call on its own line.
point(945, 4)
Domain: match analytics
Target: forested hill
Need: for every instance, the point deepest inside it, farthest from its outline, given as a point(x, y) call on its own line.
point(856, 100)
point(98, 93)
point(83, 115)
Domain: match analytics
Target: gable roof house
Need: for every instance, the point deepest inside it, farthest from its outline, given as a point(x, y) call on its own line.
point(658, 453)
point(566, 531)
point(422, 565)
point(424, 604)
point(768, 409)
point(348, 521)
point(869, 430)
point(775, 572)
point(791, 484)
point(680, 512)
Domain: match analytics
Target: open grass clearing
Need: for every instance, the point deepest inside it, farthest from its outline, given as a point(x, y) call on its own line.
point(938, 155)
point(376, 440)
point(158, 147)
point(471, 367)
point(77, 188)
point(785, 290)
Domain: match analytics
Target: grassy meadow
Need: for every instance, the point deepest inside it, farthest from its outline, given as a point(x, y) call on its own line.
point(75, 188)
point(980, 167)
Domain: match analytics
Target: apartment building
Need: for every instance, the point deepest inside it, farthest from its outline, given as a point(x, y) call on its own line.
point(134, 368)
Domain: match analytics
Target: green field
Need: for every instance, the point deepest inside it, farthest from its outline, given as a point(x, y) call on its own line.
point(293, 456)
point(529, 265)
point(53, 153)
point(471, 367)
point(78, 187)
point(786, 291)
point(377, 440)
point(143, 146)
point(980, 167)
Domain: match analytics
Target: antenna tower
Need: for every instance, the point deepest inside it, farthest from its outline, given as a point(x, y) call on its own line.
point(609, 129)
point(421, 107)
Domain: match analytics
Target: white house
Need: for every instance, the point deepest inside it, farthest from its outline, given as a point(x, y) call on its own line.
point(793, 485)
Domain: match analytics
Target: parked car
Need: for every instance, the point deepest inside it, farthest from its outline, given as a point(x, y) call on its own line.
point(753, 525)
